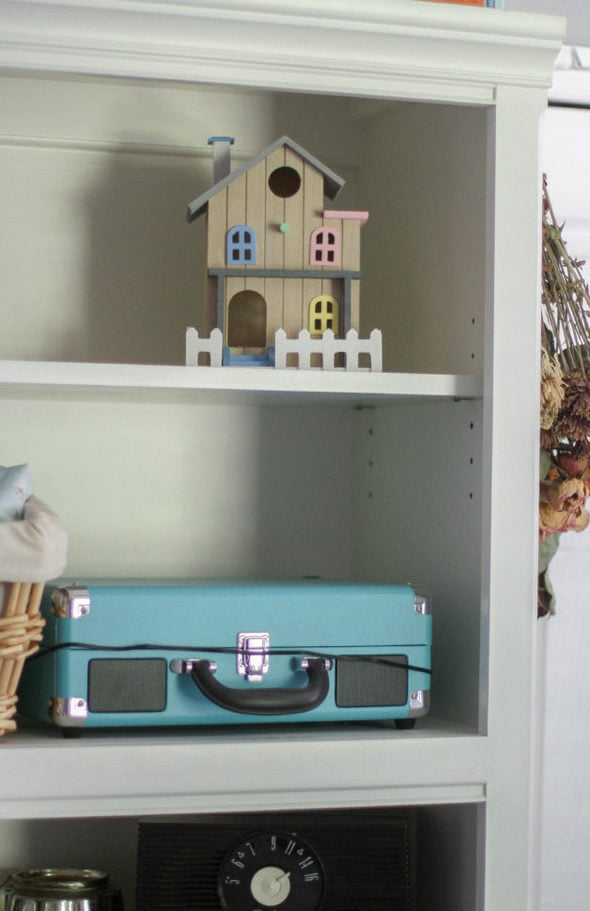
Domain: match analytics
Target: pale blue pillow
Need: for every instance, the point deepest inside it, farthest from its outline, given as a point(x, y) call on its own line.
point(15, 488)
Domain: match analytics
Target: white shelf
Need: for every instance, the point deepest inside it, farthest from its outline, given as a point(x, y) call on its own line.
point(243, 384)
point(279, 767)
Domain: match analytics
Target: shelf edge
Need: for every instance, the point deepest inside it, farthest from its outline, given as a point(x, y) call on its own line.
point(49, 377)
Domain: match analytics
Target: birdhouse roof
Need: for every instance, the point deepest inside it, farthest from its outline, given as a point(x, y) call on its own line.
point(332, 182)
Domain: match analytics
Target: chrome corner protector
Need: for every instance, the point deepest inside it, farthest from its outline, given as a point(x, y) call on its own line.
point(422, 601)
point(72, 601)
point(419, 703)
point(68, 711)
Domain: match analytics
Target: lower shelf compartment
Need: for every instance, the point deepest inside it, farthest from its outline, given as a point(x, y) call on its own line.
point(441, 846)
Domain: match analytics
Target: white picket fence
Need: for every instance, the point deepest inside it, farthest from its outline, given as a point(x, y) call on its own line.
point(328, 347)
point(195, 345)
point(325, 348)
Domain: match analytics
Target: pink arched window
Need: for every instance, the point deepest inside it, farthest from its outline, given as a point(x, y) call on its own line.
point(324, 247)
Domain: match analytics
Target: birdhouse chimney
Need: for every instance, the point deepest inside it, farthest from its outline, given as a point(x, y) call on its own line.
point(221, 156)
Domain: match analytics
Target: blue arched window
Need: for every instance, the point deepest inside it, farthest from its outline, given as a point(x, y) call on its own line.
point(240, 246)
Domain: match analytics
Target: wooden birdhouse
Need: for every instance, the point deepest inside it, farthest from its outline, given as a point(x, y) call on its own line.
point(278, 257)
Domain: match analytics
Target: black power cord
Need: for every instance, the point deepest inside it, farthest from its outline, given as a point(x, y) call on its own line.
point(220, 650)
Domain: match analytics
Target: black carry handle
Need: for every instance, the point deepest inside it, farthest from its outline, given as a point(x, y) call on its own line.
point(269, 701)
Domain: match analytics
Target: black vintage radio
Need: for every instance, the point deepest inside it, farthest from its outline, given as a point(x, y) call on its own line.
point(353, 860)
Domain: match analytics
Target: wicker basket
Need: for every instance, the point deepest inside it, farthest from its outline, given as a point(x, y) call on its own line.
point(32, 548)
point(21, 628)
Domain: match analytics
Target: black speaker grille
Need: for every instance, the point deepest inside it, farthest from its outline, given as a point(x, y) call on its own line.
point(371, 681)
point(127, 685)
point(365, 857)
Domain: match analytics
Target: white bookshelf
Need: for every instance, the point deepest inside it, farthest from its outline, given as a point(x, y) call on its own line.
point(426, 471)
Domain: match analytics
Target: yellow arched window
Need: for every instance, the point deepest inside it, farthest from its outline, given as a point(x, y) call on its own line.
point(323, 314)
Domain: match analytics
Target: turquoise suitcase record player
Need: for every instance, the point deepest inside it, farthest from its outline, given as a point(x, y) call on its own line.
point(125, 653)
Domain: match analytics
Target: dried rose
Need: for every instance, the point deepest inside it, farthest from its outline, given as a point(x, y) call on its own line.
point(575, 466)
point(556, 520)
point(565, 495)
point(561, 506)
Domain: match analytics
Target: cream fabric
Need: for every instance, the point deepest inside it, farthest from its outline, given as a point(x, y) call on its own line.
point(15, 488)
point(34, 548)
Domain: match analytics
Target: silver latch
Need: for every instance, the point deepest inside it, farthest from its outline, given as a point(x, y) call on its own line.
point(73, 601)
point(252, 659)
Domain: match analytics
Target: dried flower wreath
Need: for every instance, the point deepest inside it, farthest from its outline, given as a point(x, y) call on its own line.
point(565, 399)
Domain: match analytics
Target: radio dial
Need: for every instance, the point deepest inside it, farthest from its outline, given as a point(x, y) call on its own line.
point(271, 870)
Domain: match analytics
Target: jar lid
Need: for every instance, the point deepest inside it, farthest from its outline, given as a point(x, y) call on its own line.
point(58, 881)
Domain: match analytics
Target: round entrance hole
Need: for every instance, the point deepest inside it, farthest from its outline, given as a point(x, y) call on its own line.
point(284, 182)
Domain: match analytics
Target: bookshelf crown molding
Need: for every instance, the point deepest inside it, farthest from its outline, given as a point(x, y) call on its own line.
point(410, 48)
